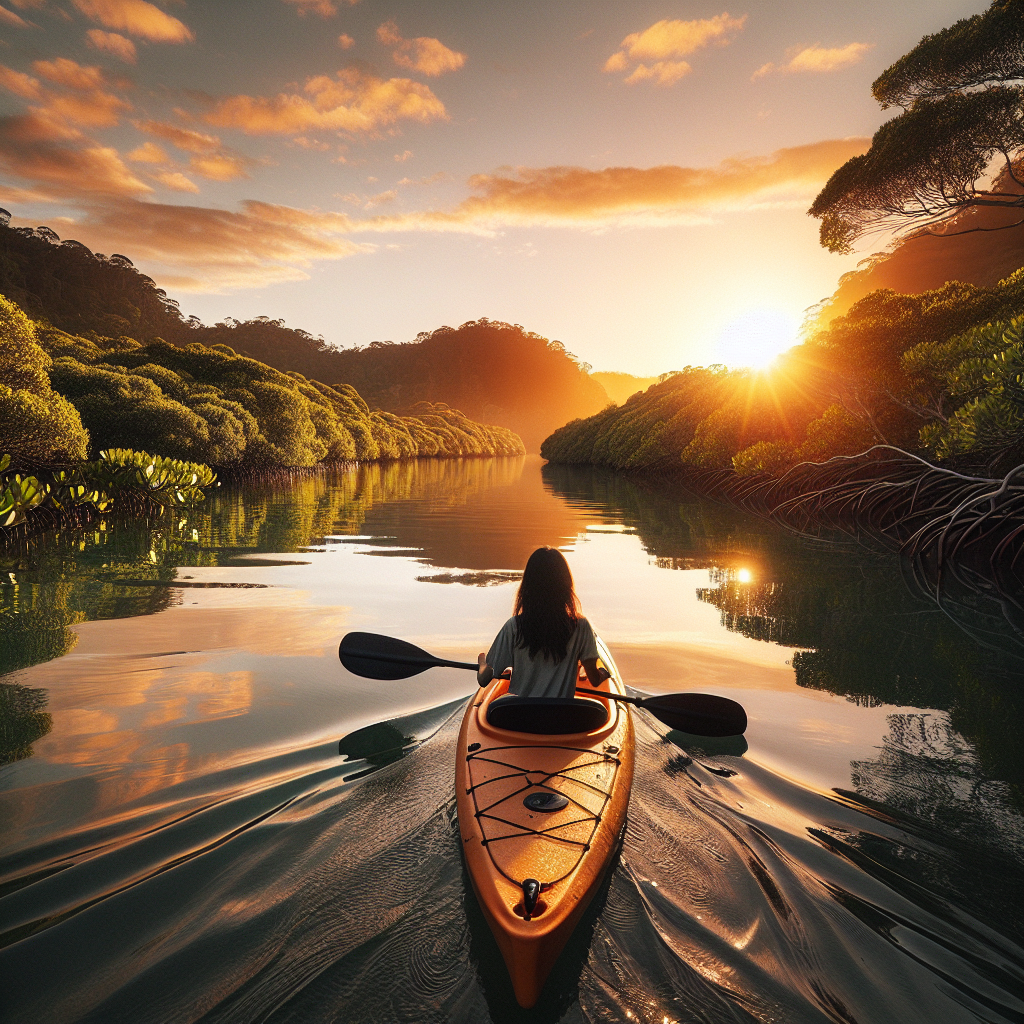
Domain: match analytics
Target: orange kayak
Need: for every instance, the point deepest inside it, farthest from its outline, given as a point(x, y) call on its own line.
point(540, 818)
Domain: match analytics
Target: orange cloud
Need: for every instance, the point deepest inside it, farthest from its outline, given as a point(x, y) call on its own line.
point(19, 83)
point(137, 18)
point(665, 42)
point(664, 72)
point(817, 60)
point(423, 54)
point(95, 109)
point(210, 159)
point(220, 166)
point(88, 104)
point(148, 153)
point(211, 250)
point(184, 138)
point(565, 196)
point(70, 74)
point(346, 42)
point(33, 148)
point(354, 102)
point(10, 18)
point(175, 180)
point(324, 8)
point(112, 43)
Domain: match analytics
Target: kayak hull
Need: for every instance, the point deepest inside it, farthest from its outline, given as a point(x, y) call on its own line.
point(567, 850)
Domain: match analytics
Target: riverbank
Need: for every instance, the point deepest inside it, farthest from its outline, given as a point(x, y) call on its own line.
point(959, 538)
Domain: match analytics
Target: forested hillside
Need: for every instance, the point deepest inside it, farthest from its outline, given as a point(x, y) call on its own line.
point(494, 372)
point(621, 386)
point(65, 397)
point(941, 373)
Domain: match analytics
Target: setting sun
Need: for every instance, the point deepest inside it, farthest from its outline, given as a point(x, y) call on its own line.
point(755, 338)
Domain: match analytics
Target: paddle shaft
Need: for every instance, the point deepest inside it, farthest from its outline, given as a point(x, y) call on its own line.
point(704, 714)
point(398, 659)
point(442, 663)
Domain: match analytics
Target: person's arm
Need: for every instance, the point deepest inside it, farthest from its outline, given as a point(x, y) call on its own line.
point(484, 674)
point(595, 675)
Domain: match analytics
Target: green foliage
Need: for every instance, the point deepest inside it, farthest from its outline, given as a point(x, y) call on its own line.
point(835, 432)
point(36, 423)
point(932, 161)
point(210, 405)
point(94, 305)
point(23, 720)
point(984, 49)
point(869, 377)
point(923, 166)
point(764, 457)
point(980, 375)
point(118, 475)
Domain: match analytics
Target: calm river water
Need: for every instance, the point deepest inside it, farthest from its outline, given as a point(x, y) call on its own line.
point(203, 817)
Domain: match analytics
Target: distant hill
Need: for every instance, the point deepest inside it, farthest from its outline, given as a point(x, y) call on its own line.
point(620, 386)
point(494, 372)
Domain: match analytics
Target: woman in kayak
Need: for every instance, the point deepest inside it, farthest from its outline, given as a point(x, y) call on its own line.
point(547, 638)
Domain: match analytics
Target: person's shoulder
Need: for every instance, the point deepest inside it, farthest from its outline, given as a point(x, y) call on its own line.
point(583, 623)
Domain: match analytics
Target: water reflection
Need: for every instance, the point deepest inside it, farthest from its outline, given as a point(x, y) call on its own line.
point(23, 720)
point(218, 800)
point(863, 634)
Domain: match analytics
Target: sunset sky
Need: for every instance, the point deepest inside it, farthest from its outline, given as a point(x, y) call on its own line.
point(630, 178)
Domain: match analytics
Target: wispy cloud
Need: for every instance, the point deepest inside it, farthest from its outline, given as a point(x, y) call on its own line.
point(176, 181)
point(59, 167)
point(346, 42)
point(211, 250)
point(10, 18)
point(210, 159)
point(423, 54)
point(113, 43)
point(355, 102)
point(655, 54)
point(576, 196)
point(816, 60)
point(82, 97)
point(137, 18)
point(324, 8)
point(148, 153)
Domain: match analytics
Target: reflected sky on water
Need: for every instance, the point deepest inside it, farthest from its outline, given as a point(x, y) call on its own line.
point(191, 661)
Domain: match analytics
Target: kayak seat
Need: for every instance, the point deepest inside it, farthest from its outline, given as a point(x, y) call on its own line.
point(546, 716)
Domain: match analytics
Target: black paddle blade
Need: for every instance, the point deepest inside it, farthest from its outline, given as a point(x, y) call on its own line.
point(382, 657)
point(701, 714)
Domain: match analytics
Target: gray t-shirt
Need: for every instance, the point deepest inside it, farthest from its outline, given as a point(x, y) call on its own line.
point(540, 676)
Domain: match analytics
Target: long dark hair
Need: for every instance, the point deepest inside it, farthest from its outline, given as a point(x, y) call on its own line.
point(547, 608)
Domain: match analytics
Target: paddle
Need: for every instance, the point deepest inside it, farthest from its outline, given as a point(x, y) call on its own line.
point(701, 714)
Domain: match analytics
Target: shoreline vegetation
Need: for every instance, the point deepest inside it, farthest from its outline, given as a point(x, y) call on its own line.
point(899, 425)
point(206, 411)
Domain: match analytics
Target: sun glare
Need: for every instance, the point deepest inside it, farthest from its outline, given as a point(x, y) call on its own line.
point(744, 576)
point(755, 338)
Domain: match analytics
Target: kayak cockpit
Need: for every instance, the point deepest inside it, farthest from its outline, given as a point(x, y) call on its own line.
point(547, 716)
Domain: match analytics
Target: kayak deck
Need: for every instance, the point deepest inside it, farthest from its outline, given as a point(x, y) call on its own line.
point(586, 778)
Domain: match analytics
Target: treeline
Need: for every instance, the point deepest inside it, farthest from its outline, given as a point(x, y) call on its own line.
point(940, 374)
point(494, 372)
point(64, 397)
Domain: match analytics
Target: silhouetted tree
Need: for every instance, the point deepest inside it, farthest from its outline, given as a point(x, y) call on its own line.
point(925, 165)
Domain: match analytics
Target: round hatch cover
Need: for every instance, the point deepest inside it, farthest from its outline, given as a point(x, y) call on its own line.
point(545, 801)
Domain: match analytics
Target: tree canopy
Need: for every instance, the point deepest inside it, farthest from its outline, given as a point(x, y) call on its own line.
point(956, 146)
point(940, 373)
point(494, 372)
